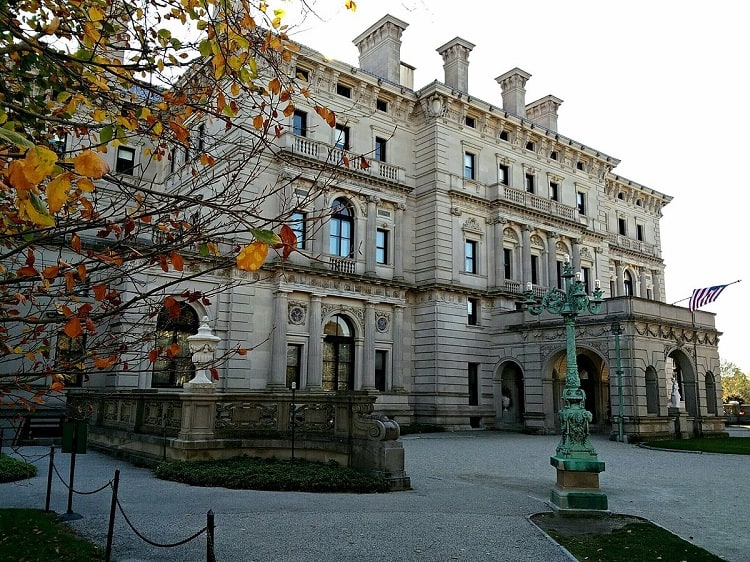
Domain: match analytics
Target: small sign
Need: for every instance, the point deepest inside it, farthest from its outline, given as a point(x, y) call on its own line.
point(75, 432)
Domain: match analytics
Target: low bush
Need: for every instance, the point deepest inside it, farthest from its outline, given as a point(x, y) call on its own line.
point(247, 473)
point(13, 469)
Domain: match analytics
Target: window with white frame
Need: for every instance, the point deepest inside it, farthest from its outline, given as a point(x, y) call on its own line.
point(380, 146)
point(529, 182)
point(471, 257)
point(470, 165)
point(125, 163)
point(381, 246)
point(472, 311)
point(503, 174)
point(581, 202)
point(341, 137)
point(299, 123)
point(299, 227)
point(342, 229)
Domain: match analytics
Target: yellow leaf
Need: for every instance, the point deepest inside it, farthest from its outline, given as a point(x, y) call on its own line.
point(258, 122)
point(89, 163)
point(350, 5)
point(17, 176)
point(57, 192)
point(252, 257)
point(99, 115)
point(85, 184)
point(34, 208)
point(95, 14)
point(39, 163)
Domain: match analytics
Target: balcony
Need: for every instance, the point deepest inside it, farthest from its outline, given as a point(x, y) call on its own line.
point(343, 265)
point(324, 152)
point(531, 201)
point(629, 244)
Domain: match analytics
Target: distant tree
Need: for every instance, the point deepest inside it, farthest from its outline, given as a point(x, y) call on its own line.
point(81, 79)
point(735, 384)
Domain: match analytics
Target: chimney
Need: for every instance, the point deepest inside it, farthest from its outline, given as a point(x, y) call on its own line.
point(455, 55)
point(514, 93)
point(380, 48)
point(544, 111)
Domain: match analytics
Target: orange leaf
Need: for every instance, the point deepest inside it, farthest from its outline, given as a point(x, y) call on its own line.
point(81, 271)
point(100, 292)
point(105, 362)
point(275, 86)
point(91, 164)
point(85, 185)
point(17, 176)
point(39, 163)
point(50, 272)
point(180, 131)
point(258, 122)
point(75, 242)
point(242, 351)
point(328, 115)
point(214, 373)
point(177, 261)
point(73, 327)
point(173, 307)
point(252, 256)
point(153, 355)
point(27, 271)
point(57, 386)
point(363, 163)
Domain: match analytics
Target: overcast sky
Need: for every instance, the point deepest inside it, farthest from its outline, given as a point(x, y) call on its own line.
point(660, 85)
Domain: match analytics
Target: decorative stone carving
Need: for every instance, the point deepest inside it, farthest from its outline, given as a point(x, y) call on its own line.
point(297, 312)
point(382, 321)
point(472, 224)
point(246, 416)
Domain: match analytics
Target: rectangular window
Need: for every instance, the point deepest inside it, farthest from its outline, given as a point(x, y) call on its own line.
point(381, 246)
point(298, 226)
point(559, 275)
point(380, 149)
point(579, 166)
point(172, 160)
point(381, 368)
point(622, 227)
point(535, 270)
point(293, 364)
point(503, 174)
point(343, 90)
point(530, 146)
point(508, 263)
point(470, 122)
point(529, 183)
point(125, 163)
point(553, 155)
point(381, 105)
point(639, 232)
point(57, 144)
point(299, 123)
point(472, 310)
point(554, 191)
point(473, 384)
point(341, 137)
point(201, 140)
point(469, 161)
point(504, 135)
point(586, 279)
point(471, 256)
point(69, 356)
point(581, 202)
point(302, 74)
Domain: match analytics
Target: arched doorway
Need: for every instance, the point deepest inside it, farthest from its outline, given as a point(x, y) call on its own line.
point(509, 394)
point(174, 365)
point(680, 369)
point(594, 380)
point(338, 354)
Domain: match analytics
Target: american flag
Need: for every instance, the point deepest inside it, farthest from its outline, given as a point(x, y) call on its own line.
point(702, 297)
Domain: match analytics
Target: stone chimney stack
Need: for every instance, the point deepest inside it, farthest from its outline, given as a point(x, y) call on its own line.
point(544, 111)
point(380, 48)
point(455, 55)
point(513, 85)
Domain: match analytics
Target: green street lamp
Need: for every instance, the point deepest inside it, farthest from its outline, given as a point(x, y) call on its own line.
point(617, 332)
point(576, 461)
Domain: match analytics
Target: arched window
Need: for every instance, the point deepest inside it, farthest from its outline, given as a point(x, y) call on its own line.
point(710, 393)
point(652, 391)
point(338, 354)
point(174, 365)
point(342, 229)
point(627, 284)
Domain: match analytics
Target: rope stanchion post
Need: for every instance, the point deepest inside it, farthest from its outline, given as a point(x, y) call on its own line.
point(112, 511)
point(210, 556)
point(49, 477)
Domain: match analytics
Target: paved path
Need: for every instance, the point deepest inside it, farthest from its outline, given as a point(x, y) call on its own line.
point(472, 493)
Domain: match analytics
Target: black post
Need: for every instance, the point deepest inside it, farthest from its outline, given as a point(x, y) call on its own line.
point(210, 556)
point(113, 505)
point(72, 469)
point(294, 420)
point(2, 435)
point(49, 477)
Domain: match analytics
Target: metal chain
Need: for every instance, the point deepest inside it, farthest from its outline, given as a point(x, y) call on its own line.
point(76, 491)
point(152, 543)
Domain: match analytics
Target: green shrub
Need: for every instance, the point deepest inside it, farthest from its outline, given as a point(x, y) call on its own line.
point(13, 469)
point(245, 473)
point(421, 428)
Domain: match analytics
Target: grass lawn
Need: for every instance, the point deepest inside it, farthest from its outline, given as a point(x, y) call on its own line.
point(31, 535)
point(13, 469)
point(730, 445)
point(248, 473)
point(619, 538)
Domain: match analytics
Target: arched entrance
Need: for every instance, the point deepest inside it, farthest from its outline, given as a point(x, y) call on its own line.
point(594, 377)
point(174, 365)
point(680, 368)
point(338, 354)
point(509, 394)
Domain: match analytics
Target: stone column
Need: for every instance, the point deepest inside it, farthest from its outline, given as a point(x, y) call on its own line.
point(371, 233)
point(620, 281)
point(278, 340)
point(657, 284)
point(368, 357)
point(552, 259)
point(359, 346)
point(398, 242)
point(397, 382)
point(576, 257)
point(498, 223)
point(315, 345)
point(526, 254)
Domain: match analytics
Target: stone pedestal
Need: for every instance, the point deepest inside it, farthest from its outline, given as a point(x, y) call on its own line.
point(577, 487)
point(198, 415)
point(682, 428)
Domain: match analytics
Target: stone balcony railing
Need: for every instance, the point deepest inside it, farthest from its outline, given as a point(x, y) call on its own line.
point(629, 244)
point(180, 425)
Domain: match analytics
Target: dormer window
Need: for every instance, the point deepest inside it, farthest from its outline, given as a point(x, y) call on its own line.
point(302, 74)
point(504, 135)
point(470, 122)
point(343, 90)
point(579, 166)
point(381, 105)
point(553, 155)
point(530, 145)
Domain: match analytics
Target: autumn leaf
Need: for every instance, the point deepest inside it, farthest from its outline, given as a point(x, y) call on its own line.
point(258, 122)
point(182, 134)
point(57, 386)
point(214, 373)
point(153, 355)
point(17, 176)
point(173, 307)
point(50, 272)
point(350, 5)
point(252, 256)
point(363, 163)
point(91, 164)
point(35, 210)
point(75, 242)
point(288, 241)
point(57, 192)
point(85, 185)
point(99, 292)
point(327, 115)
point(39, 163)
point(104, 362)
point(241, 351)
point(177, 261)
point(73, 327)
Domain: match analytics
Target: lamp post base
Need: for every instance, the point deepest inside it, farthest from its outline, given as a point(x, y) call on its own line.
point(577, 488)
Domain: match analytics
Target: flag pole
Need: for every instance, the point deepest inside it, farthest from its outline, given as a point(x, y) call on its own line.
point(688, 298)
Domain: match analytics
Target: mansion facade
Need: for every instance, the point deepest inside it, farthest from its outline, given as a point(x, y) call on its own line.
point(447, 209)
